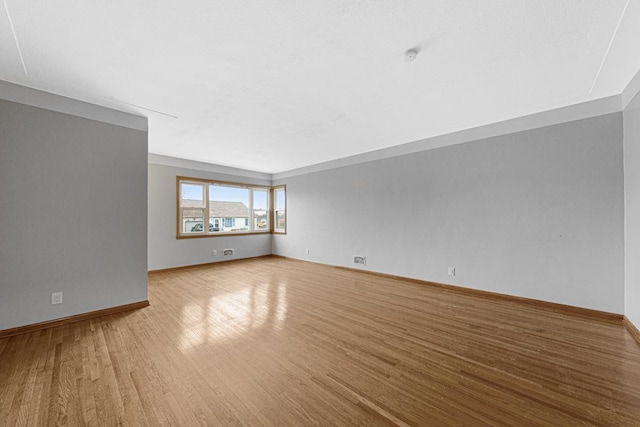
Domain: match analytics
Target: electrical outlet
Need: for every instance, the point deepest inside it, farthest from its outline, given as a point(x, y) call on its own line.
point(56, 298)
point(307, 251)
point(451, 271)
point(360, 260)
point(214, 252)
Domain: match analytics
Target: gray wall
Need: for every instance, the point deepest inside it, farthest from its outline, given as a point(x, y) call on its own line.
point(537, 214)
point(73, 211)
point(632, 210)
point(165, 251)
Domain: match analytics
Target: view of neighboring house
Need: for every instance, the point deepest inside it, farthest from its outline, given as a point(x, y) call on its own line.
point(223, 216)
point(229, 216)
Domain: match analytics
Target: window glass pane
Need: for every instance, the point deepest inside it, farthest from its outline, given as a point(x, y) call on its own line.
point(192, 221)
point(280, 220)
point(260, 210)
point(260, 198)
point(192, 195)
point(230, 205)
point(280, 199)
point(214, 224)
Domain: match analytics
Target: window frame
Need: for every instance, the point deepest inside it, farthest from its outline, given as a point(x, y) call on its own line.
point(207, 208)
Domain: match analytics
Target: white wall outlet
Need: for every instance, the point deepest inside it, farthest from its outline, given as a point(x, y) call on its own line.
point(306, 251)
point(56, 298)
point(451, 271)
point(360, 260)
point(214, 252)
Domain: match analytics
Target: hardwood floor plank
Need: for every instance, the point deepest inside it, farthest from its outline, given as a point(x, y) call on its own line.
point(278, 342)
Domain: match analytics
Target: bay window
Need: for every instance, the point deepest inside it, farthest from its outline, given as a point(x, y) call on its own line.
point(207, 208)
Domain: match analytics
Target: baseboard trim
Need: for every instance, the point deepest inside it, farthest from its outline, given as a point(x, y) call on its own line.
point(633, 330)
point(6, 333)
point(206, 264)
point(551, 306)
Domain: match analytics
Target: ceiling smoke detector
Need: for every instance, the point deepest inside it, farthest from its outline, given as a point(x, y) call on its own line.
point(410, 55)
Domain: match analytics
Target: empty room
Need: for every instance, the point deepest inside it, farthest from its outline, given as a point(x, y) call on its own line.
point(400, 213)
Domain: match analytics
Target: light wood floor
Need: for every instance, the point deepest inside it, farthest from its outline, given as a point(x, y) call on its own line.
point(278, 342)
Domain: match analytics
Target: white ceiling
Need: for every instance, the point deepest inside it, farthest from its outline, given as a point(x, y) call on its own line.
point(275, 85)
